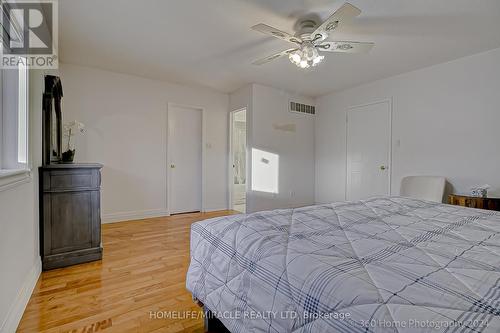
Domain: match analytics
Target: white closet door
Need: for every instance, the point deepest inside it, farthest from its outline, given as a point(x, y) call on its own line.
point(368, 150)
point(185, 145)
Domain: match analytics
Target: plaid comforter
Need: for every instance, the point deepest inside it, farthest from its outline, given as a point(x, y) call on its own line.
point(387, 264)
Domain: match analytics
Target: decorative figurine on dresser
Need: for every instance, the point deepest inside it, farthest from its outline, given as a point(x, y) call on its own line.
point(70, 194)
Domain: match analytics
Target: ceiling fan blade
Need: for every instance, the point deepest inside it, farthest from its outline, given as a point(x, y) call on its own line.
point(268, 30)
point(344, 13)
point(346, 47)
point(272, 57)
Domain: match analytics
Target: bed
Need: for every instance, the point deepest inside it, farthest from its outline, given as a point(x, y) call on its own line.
point(387, 264)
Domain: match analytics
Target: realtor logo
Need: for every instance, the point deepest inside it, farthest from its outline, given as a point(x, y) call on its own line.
point(29, 33)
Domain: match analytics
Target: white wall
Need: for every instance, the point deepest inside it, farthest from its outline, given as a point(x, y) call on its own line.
point(241, 98)
point(125, 118)
point(267, 108)
point(126, 131)
point(19, 246)
point(445, 117)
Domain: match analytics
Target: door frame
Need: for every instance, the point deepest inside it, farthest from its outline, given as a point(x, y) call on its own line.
point(389, 101)
point(168, 150)
point(230, 173)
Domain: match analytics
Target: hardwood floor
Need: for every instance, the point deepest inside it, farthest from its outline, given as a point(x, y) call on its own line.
point(142, 271)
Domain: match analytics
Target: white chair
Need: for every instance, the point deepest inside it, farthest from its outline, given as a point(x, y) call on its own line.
point(429, 188)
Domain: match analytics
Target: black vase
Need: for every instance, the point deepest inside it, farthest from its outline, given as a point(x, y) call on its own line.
point(68, 156)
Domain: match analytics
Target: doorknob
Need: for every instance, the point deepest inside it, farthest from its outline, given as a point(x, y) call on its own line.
point(383, 167)
point(172, 166)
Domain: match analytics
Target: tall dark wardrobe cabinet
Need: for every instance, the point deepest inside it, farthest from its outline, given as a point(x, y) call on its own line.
point(70, 194)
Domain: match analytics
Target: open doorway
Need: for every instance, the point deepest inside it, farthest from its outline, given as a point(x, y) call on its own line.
point(238, 158)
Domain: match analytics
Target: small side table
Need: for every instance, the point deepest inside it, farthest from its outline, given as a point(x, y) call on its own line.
point(474, 202)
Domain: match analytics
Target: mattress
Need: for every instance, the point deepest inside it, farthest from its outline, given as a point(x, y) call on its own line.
point(387, 264)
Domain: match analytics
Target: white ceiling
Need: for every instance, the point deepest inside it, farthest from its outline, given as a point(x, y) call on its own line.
point(210, 43)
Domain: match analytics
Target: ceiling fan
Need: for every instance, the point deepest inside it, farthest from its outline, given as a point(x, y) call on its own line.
point(310, 40)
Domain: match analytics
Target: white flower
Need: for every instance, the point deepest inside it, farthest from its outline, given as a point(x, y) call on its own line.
point(71, 129)
point(74, 126)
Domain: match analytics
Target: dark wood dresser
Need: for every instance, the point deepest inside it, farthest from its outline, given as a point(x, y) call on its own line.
point(474, 202)
point(70, 214)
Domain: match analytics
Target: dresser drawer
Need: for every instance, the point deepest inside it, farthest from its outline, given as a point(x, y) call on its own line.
point(71, 180)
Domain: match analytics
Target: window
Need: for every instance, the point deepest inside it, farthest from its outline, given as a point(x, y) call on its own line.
point(22, 122)
point(14, 120)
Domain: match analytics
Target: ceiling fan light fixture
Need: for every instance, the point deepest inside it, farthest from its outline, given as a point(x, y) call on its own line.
point(318, 59)
point(295, 57)
point(305, 57)
point(304, 64)
point(309, 51)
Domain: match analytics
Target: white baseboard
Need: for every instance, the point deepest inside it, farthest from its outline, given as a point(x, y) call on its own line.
point(133, 215)
point(215, 209)
point(19, 305)
point(142, 214)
